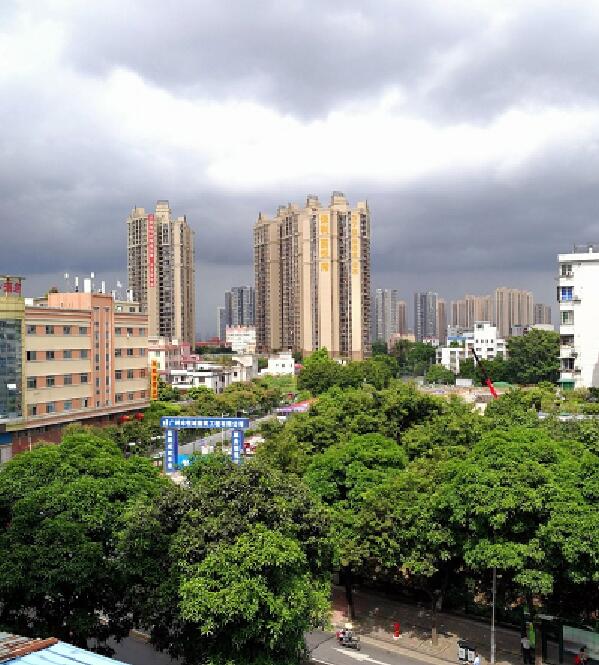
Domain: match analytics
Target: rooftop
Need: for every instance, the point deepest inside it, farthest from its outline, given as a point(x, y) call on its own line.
point(31, 651)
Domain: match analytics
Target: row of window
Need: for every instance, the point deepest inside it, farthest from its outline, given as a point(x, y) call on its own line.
point(81, 330)
point(67, 405)
point(67, 354)
point(67, 379)
point(66, 330)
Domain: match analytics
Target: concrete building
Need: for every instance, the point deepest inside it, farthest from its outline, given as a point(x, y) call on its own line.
point(72, 357)
point(441, 321)
point(578, 298)
point(240, 306)
point(426, 316)
point(402, 317)
point(542, 314)
point(312, 270)
point(485, 341)
point(450, 357)
point(168, 353)
point(386, 312)
point(280, 365)
point(470, 309)
point(242, 339)
point(513, 308)
point(161, 271)
point(459, 314)
point(221, 322)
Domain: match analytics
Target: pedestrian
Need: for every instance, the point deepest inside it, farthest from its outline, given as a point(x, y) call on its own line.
point(476, 658)
point(581, 657)
point(526, 655)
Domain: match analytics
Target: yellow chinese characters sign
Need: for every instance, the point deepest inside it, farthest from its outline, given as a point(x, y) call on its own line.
point(154, 380)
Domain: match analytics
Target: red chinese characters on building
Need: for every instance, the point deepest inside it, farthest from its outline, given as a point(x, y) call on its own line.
point(11, 286)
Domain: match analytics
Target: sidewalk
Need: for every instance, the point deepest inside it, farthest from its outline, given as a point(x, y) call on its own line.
point(376, 614)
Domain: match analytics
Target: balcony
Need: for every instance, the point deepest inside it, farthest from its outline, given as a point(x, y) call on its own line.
point(567, 351)
point(572, 299)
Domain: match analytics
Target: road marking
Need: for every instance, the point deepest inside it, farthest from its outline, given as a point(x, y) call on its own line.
point(361, 656)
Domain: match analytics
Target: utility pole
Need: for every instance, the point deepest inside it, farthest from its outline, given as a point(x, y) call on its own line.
point(493, 616)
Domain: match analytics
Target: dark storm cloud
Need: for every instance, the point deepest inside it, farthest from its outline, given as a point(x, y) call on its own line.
point(70, 172)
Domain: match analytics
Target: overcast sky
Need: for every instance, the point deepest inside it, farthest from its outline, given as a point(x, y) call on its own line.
point(472, 128)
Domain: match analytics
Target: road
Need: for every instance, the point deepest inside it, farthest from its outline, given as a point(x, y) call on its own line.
point(325, 651)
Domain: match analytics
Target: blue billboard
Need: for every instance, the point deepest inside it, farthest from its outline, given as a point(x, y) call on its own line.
point(203, 422)
point(171, 450)
point(236, 445)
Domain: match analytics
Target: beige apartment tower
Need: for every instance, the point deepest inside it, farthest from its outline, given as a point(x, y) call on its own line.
point(312, 270)
point(161, 271)
point(514, 309)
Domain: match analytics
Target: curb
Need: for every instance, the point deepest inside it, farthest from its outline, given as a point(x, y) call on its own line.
point(392, 647)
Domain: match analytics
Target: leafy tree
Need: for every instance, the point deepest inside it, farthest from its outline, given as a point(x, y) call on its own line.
point(525, 505)
point(61, 510)
point(534, 357)
point(233, 568)
point(405, 527)
point(379, 347)
point(167, 393)
point(414, 358)
point(440, 374)
point(319, 373)
point(514, 407)
point(340, 476)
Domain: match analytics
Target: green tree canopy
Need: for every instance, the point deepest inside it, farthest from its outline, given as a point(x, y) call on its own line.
point(534, 357)
point(61, 509)
point(440, 374)
point(233, 568)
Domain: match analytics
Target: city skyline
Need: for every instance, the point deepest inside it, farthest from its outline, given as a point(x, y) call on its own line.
point(469, 182)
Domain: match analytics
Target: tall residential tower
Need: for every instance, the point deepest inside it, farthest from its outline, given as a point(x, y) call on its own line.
point(161, 271)
point(386, 313)
point(312, 269)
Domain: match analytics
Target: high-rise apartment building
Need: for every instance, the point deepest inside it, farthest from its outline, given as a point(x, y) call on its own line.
point(441, 321)
point(542, 314)
point(239, 309)
point(221, 322)
point(402, 317)
point(69, 357)
point(470, 309)
point(386, 312)
point(161, 271)
point(578, 298)
point(513, 309)
point(312, 270)
point(426, 316)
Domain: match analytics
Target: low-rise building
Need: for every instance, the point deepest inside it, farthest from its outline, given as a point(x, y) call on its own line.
point(167, 353)
point(72, 357)
point(280, 365)
point(485, 342)
point(450, 357)
point(241, 339)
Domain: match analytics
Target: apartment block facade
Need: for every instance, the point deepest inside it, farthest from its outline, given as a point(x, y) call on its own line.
point(426, 316)
point(83, 358)
point(161, 271)
point(312, 271)
point(542, 314)
point(386, 314)
point(513, 310)
point(578, 301)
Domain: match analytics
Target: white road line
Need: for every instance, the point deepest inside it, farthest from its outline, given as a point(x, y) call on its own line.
point(361, 656)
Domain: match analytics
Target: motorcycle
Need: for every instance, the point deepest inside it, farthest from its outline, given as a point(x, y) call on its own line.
point(348, 640)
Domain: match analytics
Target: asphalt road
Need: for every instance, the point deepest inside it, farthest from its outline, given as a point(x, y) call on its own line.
point(325, 650)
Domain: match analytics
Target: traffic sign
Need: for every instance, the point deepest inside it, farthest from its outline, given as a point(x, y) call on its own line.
point(203, 422)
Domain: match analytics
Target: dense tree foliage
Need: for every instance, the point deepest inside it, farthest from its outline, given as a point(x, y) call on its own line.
point(233, 568)
point(61, 510)
point(440, 374)
point(534, 357)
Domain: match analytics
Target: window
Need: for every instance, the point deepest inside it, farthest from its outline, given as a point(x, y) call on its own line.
point(119, 397)
point(129, 352)
point(97, 382)
point(67, 405)
point(50, 381)
point(117, 353)
point(82, 330)
point(568, 364)
point(142, 373)
point(142, 352)
point(566, 270)
point(31, 355)
point(32, 382)
point(67, 354)
point(143, 394)
point(129, 373)
point(66, 330)
point(566, 293)
point(129, 331)
point(31, 330)
point(118, 375)
point(130, 396)
point(84, 353)
point(85, 402)
point(117, 331)
point(68, 380)
point(50, 407)
point(83, 378)
point(142, 331)
point(97, 358)
point(49, 330)
point(49, 355)
point(567, 317)
point(32, 410)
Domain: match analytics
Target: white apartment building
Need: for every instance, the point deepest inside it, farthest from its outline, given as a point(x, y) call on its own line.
point(578, 298)
point(482, 338)
point(279, 365)
point(242, 339)
point(485, 342)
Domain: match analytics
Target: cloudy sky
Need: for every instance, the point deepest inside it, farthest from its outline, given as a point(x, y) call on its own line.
point(472, 128)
